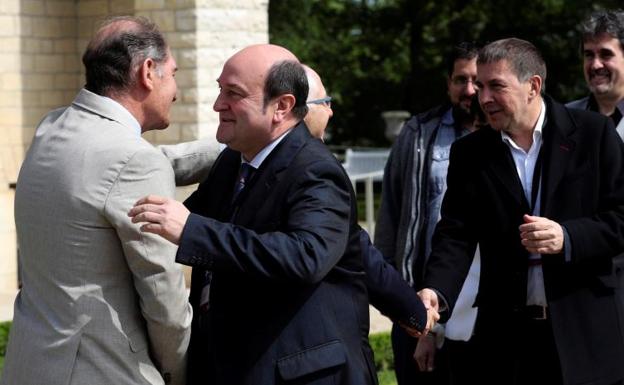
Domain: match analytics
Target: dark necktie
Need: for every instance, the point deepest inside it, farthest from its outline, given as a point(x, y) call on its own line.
point(244, 174)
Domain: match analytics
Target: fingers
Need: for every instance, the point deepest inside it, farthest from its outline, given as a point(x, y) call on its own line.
point(148, 216)
point(159, 215)
point(138, 211)
point(151, 199)
point(429, 299)
point(432, 318)
point(540, 235)
point(425, 352)
point(154, 228)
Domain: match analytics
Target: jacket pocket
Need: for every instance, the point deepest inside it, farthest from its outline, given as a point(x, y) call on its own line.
point(137, 340)
point(311, 360)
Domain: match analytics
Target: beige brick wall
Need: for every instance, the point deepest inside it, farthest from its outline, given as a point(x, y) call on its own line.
point(11, 140)
point(41, 42)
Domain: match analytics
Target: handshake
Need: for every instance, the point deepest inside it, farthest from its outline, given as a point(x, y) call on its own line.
point(430, 300)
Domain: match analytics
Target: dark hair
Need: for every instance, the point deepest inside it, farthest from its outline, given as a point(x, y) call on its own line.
point(288, 77)
point(523, 57)
point(464, 50)
point(113, 54)
point(603, 22)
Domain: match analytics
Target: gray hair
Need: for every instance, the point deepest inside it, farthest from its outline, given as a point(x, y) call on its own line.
point(119, 47)
point(523, 57)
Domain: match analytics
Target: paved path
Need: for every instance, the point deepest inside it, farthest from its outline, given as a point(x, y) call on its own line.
point(6, 305)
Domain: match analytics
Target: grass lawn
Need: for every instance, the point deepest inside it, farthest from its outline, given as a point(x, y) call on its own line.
point(386, 377)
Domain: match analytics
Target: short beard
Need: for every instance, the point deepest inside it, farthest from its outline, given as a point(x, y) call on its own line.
point(460, 115)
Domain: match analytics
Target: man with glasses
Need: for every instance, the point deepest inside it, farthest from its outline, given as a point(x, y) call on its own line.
point(319, 105)
point(387, 291)
point(413, 187)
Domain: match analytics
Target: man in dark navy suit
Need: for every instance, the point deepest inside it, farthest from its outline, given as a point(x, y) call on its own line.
point(275, 227)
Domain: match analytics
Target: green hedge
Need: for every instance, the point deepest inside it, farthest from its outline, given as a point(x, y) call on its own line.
point(4, 338)
point(382, 347)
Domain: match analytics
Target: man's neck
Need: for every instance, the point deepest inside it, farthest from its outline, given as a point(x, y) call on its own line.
point(133, 107)
point(522, 135)
point(276, 134)
point(607, 103)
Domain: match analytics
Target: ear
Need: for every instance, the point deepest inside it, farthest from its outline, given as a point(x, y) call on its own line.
point(147, 73)
point(284, 104)
point(535, 83)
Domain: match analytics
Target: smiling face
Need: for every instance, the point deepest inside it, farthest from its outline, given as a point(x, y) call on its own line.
point(243, 120)
point(603, 66)
point(248, 122)
point(507, 102)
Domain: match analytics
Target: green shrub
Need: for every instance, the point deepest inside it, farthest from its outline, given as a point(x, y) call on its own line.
point(4, 336)
point(382, 347)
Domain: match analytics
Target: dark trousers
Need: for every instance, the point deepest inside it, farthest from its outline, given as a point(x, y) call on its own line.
point(521, 352)
point(406, 368)
point(464, 361)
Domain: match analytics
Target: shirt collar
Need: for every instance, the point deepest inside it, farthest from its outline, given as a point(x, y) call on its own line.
point(447, 118)
point(537, 130)
point(114, 105)
point(264, 153)
point(592, 105)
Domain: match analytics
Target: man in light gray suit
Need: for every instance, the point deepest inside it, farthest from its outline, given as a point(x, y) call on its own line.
point(101, 302)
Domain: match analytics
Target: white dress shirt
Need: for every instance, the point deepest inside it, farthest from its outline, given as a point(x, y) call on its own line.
point(525, 167)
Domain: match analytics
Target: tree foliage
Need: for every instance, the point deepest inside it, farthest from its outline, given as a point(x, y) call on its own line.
point(376, 55)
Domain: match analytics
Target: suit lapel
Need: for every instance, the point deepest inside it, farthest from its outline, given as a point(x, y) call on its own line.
point(221, 182)
point(502, 168)
point(269, 173)
point(557, 149)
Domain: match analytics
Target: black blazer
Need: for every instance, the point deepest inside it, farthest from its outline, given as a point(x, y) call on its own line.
point(287, 298)
point(583, 190)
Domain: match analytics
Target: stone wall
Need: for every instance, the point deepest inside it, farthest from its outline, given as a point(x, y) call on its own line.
point(41, 42)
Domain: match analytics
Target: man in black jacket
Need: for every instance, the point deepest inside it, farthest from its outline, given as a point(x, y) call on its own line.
point(546, 191)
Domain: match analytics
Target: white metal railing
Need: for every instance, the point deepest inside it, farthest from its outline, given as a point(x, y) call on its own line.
point(367, 166)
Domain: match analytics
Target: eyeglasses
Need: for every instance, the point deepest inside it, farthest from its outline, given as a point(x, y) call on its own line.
point(326, 101)
point(463, 81)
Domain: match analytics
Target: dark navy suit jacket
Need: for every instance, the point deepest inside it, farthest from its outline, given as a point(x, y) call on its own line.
point(287, 300)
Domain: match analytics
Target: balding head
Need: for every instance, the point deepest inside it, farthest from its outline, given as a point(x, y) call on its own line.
point(117, 50)
point(263, 93)
point(319, 113)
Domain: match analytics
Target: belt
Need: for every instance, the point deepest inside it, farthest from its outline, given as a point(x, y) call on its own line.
point(536, 312)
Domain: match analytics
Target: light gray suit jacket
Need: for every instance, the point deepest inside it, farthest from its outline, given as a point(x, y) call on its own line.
point(101, 302)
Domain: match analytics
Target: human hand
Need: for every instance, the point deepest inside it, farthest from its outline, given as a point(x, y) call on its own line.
point(432, 318)
point(540, 235)
point(430, 300)
point(425, 352)
point(164, 216)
